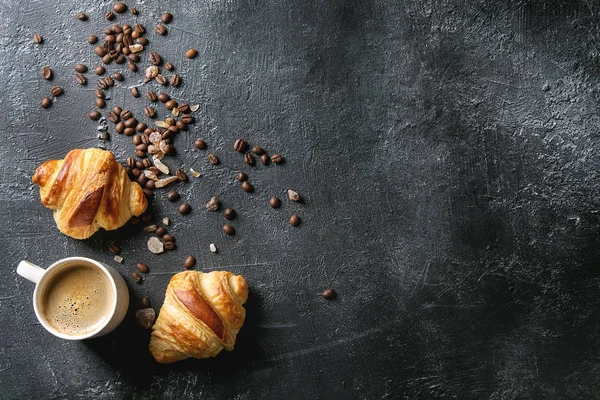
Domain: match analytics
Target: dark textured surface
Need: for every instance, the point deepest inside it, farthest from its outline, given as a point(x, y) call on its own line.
point(448, 155)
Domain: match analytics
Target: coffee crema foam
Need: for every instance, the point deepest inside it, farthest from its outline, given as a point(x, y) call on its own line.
point(78, 300)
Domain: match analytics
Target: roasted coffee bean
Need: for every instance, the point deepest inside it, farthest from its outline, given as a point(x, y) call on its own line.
point(109, 81)
point(155, 170)
point(191, 53)
point(136, 172)
point(155, 58)
point(136, 277)
point(265, 159)
point(118, 76)
point(213, 159)
point(259, 151)
point(294, 220)
point(160, 79)
point(131, 162)
point(182, 176)
point(160, 29)
point(100, 103)
point(189, 262)
point(140, 164)
point(228, 229)
point(167, 237)
point(176, 80)
point(81, 16)
point(242, 177)
point(126, 51)
point(141, 180)
point(110, 38)
point(46, 102)
point(169, 121)
point(136, 140)
point(132, 67)
point(166, 17)
point(151, 96)
point(131, 122)
point(229, 213)
point(100, 83)
point(168, 66)
point(127, 29)
point(142, 40)
point(184, 209)
point(247, 187)
point(99, 70)
point(181, 125)
point(99, 93)
point(105, 136)
point(173, 129)
point(135, 92)
point(121, 59)
point(134, 58)
point(249, 159)
point(129, 132)
point(146, 163)
point(114, 248)
point(173, 196)
point(163, 97)
point(149, 111)
point(135, 35)
point(133, 11)
point(113, 117)
point(147, 134)
point(109, 16)
point(141, 127)
point(37, 38)
point(274, 202)
point(46, 73)
point(142, 268)
point(100, 51)
point(127, 41)
point(150, 185)
point(119, 40)
point(240, 145)
point(125, 114)
point(94, 115)
point(171, 104)
point(184, 108)
point(80, 78)
point(92, 39)
point(81, 68)
point(107, 59)
point(166, 136)
point(118, 110)
point(276, 159)
point(187, 119)
point(160, 231)
point(56, 91)
point(170, 150)
point(328, 294)
point(120, 127)
point(140, 28)
point(120, 7)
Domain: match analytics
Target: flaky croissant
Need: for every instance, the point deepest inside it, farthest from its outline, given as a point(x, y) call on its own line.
point(201, 316)
point(88, 190)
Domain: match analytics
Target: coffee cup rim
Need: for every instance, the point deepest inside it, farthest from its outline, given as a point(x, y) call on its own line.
point(44, 280)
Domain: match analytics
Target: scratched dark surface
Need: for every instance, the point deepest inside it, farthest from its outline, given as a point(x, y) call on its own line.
point(448, 155)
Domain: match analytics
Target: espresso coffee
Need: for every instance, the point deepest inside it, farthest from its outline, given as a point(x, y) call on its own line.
point(78, 300)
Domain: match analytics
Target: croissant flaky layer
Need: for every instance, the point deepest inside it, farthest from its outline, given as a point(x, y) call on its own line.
point(88, 190)
point(201, 316)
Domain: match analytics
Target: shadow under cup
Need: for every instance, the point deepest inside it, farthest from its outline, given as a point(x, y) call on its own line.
point(77, 298)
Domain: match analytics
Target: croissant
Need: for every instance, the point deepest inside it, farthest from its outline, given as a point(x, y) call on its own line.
point(201, 316)
point(88, 190)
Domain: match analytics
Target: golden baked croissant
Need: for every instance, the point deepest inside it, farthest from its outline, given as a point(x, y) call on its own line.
point(88, 190)
point(201, 316)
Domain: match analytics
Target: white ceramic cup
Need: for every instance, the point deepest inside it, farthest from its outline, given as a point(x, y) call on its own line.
point(41, 277)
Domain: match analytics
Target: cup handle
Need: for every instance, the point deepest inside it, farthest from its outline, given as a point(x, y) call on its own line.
point(30, 271)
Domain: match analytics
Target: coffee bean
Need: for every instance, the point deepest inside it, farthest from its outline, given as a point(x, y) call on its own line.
point(99, 70)
point(110, 39)
point(82, 16)
point(274, 202)
point(240, 145)
point(163, 97)
point(176, 80)
point(168, 66)
point(213, 159)
point(184, 108)
point(109, 81)
point(136, 277)
point(56, 91)
point(189, 262)
point(140, 28)
point(106, 136)
point(184, 209)
point(160, 79)
point(118, 76)
point(242, 177)
point(81, 79)
point(113, 117)
point(132, 67)
point(144, 302)
point(120, 59)
point(120, 7)
point(161, 30)
point(100, 83)
point(259, 151)
point(92, 39)
point(125, 114)
point(247, 187)
point(129, 132)
point(173, 196)
point(114, 248)
point(109, 16)
point(120, 127)
point(99, 93)
point(141, 127)
point(228, 229)
point(148, 193)
point(127, 41)
point(166, 17)
point(170, 246)
point(160, 231)
point(146, 163)
point(276, 159)
point(191, 53)
point(265, 159)
point(169, 105)
point(135, 172)
point(167, 237)
point(155, 58)
point(295, 220)
point(182, 176)
point(134, 58)
point(37, 38)
point(249, 159)
point(130, 162)
point(142, 268)
point(94, 115)
point(100, 103)
point(100, 51)
point(173, 129)
point(170, 150)
point(107, 59)
point(133, 11)
point(46, 102)
point(136, 140)
point(169, 121)
point(135, 93)
point(149, 111)
point(46, 73)
point(328, 294)
point(229, 213)
point(131, 123)
point(143, 41)
point(187, 119)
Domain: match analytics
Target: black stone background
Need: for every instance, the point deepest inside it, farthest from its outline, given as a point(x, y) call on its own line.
point(448, 155)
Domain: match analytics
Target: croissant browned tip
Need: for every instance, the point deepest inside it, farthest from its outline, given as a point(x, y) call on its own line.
point(88, 190)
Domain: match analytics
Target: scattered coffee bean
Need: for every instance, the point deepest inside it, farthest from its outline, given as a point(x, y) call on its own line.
point(120, 7)
point(133, 11)
point(120, 59)
point(114, 118)
point(173, 196)
point(101, 83)
point(191, 53)
point(169, 105)
point(213, 204)
point(129, 132)
point(265, 159)
point(176, 80)
point(141, 127)
point(99, 93)
point(276, 159)
point(151, 96)
point(136, 277)
point(200, 144)
point(259, 151)
point(149, 111)
point(132, 67)
point(247, 187)
point(155, 58)
point(249, 159)
point(107, 59)
point(100, 103)
point(242, 177)
point(92, 39)
point(141, 42)
point(135, 92)
point(56, 91)
point(161, 230)
point(168, 66)
point(99, 70)
point(80, 79)
point(166, 18)
point(124, 114)
point(118, 76)
point(295, 220)
point(114, 248)
point(170, 246)
point(160, 79)
point(142, 267)
point(109, 81)
point(328, 294)
point(145, 302)
point(184, 108)
point(105, 136)
point(100, 51)
point(81, 16)
point(163, 97)
point(133, 58)
point(109, 16)
point(82, 68)
point(37, 38)
point(145, 317)
point(184, 209)
point(228, 229)
point(120, 127)
point(229, 213)
point(213, 159)
point(46, 73)
point(130, 162)
point(160, 29)
point(148, 193)
point(274, 202)
point(94, 115)
point(46, 102)
point(167, 237)
point(240, 145)
point(189, 262)
point(181, 175)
